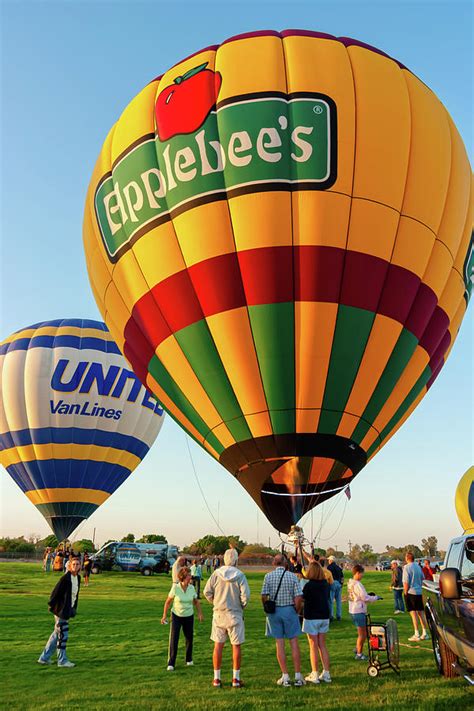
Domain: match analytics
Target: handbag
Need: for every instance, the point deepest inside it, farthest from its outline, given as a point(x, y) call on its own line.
point(269, 606)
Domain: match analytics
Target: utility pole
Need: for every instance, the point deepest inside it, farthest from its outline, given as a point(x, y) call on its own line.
point(93, 538)
point(350, 549)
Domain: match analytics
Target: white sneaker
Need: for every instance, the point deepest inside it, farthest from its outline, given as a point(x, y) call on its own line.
point(312, 678)
point(325, 676)
point(169, 668)
point(43, 661)
point(425, 635)
point(415, 637)
point(189, 664)
point(67, 664)
point(397, 612)
point(299, 681)
point(284, 681)
point(360, 657)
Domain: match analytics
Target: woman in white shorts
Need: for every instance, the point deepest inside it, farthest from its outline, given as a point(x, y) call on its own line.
point(316, 621)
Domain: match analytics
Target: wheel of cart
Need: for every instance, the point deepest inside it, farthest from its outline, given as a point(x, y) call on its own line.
point(384, 651)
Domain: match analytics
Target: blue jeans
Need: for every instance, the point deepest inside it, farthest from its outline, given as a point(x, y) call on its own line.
point(398, 599)
point(335, 593)
point(57, 640)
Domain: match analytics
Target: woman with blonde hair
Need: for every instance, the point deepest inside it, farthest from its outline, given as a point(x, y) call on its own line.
point(183, 597)
point(316, 621)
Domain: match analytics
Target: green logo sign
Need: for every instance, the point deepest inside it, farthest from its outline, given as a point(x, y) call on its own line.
point(248, 144)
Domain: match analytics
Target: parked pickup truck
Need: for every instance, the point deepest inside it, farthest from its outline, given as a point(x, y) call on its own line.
point(449, 607)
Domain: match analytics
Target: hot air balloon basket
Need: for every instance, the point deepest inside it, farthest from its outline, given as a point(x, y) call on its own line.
point(382, 640)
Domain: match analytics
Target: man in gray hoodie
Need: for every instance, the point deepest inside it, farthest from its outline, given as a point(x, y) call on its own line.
point(228, 591)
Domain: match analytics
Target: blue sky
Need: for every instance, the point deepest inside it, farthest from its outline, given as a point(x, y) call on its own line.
point(68, 70)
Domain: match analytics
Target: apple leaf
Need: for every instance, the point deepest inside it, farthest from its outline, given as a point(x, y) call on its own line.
point(190, 73)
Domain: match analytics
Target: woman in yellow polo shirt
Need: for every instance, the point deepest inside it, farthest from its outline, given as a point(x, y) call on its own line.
point(183, 599)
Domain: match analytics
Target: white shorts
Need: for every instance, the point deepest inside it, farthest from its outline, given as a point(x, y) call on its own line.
point(227, 625)
point(315, 626)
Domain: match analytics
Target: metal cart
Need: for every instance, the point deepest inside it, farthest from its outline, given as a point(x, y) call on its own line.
point(382, 638)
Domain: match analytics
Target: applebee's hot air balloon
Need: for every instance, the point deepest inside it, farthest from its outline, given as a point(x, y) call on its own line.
point(464, 501)
point(277, 233)
point(74, 419)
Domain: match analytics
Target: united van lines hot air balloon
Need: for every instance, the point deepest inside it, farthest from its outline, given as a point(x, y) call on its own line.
point(464, 501)
point(74, 419)
point(277, 234)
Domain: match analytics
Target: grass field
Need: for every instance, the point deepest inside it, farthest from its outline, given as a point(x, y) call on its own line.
point(120, 649)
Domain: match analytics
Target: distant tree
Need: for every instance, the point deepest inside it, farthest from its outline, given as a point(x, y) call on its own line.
point(429, 545)
point(85, 544)
point(253, 548)
point(216, 545)
point(49, 542)
point(412, 548)
point(334, 552)
point(152, 538)
point(129, 538)
point(16, 545)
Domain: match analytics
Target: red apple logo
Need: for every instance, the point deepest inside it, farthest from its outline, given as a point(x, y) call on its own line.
point(184, 105)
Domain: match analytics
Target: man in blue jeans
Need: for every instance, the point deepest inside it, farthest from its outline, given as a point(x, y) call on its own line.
point(284, 589)
point(335, 592)
point(63, 604)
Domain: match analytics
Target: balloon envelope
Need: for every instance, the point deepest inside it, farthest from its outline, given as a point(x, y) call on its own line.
point(464, 501)
point(278, 234)
point(74, 419)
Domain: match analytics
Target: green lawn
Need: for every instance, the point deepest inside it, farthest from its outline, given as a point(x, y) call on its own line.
point(120, 649)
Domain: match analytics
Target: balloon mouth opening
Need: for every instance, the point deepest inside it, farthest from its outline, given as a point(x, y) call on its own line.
point(296, 472)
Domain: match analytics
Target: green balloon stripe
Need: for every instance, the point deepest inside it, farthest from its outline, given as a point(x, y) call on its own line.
point(175, 394)
point(199, 348)
point(352, 331)
point(398, 361)
point(67, 508)
point(273, 328)
point(410, 398)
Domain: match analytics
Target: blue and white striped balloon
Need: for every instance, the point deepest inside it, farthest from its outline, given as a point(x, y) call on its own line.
point(74, 419)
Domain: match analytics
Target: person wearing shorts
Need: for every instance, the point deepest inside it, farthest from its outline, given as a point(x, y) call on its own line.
point(284, 589)
point(228, 591)
point(316, 621)
point(358, 599)
point(412, 586)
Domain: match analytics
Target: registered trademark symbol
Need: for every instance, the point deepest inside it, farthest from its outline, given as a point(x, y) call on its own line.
point(317, 109)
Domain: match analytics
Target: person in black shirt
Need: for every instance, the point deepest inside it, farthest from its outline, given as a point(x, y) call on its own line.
point(295, 567)
point(336, 587)
point(316, 621)
point(63, 605)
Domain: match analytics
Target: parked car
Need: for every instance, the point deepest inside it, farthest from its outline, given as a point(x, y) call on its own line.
point(147, 558)
point(383, 565)
point(449, 607)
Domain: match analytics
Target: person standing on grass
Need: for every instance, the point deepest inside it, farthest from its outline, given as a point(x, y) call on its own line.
point(228, 591)
point(316, 621)
point(427, 572)
point(183, 598)
point(196, 574)
point(63, 604)
point(336, 588)
point(284, 589)
point(412, 586)
point(397, 587)
point(86, 568)
point(358, 599)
